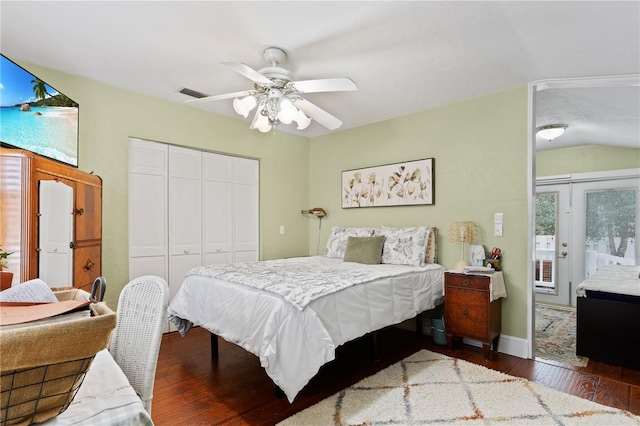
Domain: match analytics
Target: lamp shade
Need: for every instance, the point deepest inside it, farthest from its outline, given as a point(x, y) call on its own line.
point(287, 111)
point(302, 120)
point(463, 232)
point(245, 105)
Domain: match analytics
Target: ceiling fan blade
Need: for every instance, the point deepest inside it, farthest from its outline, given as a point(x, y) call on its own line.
point(341, 84)
point(316, 113)
point(248, 72)
point(220, 97)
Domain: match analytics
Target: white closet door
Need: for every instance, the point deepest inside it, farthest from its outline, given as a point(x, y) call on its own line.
point(185, 214)
point(148, 225)
point(217, 204)
point(246, 175)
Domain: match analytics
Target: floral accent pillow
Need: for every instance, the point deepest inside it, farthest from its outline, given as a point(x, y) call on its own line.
point(404, 246)
point(337, 242)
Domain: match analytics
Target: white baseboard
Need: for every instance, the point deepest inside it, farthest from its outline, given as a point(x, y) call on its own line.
point(508, 345)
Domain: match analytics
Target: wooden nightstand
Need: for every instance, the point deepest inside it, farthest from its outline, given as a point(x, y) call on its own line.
point(469, 311)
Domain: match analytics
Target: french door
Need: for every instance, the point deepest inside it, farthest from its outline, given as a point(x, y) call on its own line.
point(581, 226)
point(553, 252)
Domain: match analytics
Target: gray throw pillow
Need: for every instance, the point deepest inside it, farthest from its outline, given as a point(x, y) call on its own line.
point(367, 250)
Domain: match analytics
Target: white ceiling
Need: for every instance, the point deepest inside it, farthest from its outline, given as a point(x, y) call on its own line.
point(404, 56)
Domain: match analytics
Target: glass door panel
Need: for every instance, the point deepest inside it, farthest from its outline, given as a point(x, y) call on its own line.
point(553, 214)
point(610, 228)
point(605, 225)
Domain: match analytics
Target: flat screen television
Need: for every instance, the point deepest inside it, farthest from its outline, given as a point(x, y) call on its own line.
point(36, 117)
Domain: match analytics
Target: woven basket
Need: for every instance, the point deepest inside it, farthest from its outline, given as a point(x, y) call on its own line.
point(42, 367)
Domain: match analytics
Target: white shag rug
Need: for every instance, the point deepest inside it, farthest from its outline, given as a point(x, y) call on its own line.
point(429, 388)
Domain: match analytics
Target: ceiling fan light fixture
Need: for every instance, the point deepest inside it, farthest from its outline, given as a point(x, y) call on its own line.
point(261, 122)
point(245, 105)
point(551, 131)
point(287, 110)
point(302, 120)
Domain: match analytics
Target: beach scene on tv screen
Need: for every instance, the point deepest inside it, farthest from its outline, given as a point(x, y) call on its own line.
point(35, 116)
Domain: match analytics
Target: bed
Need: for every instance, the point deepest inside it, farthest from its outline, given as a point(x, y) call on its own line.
point(608, 316)
point(293, 313)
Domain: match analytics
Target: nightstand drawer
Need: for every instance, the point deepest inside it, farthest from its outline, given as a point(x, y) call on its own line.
point(466, 315)
point(476, 282)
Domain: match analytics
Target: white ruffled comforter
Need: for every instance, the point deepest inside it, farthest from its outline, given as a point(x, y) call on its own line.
point(620, 279)
point(294, 343)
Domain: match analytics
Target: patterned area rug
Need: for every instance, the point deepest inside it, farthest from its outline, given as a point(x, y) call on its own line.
point(556, 334)
point(433, 389)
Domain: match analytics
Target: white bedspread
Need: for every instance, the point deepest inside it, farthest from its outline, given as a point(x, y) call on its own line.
point(620, 279)
point(293, 344)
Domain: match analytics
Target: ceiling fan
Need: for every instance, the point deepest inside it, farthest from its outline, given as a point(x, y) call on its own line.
point(278, 98)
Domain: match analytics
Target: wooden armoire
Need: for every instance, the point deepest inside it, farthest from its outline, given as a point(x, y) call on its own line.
point(21, 174)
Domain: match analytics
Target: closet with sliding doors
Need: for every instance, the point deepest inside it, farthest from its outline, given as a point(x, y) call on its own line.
point(189, 208)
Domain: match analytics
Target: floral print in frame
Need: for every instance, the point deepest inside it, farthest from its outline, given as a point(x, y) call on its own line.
point(399, 184)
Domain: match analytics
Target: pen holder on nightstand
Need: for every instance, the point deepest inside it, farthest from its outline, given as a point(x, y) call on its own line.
point(494, 263)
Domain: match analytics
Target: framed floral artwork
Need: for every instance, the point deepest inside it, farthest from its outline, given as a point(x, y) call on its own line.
point(399, 184)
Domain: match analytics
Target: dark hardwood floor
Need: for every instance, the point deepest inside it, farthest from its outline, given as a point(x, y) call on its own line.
point(192, 389)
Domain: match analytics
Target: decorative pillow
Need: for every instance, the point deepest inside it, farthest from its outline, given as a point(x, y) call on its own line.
point(367, 250)
point(404, 246)
point(431, 250)
point(337, 242)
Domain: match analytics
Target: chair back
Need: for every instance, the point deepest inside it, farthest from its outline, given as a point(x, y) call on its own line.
point(135, 342)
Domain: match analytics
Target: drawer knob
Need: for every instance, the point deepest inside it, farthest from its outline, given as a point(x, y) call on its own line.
point(466, 282)
point(89, 265)
point(465, 314)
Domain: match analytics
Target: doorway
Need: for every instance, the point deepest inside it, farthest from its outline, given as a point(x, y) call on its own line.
point(582, 224)
point(614, 111)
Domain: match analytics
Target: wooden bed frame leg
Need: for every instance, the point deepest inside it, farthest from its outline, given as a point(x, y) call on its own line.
point(214, 346)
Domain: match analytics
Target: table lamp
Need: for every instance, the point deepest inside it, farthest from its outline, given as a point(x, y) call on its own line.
point(463, 232)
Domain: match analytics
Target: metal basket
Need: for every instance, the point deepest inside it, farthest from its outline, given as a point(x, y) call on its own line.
point(48, 388)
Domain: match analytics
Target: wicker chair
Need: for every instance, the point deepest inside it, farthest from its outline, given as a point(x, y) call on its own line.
point(135, 342)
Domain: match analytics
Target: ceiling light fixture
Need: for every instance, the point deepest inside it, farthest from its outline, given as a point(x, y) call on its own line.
point(277, 96)
point(551, 131)
point(274, 108)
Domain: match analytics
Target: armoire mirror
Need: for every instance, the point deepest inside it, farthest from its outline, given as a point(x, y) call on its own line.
point(55, 226)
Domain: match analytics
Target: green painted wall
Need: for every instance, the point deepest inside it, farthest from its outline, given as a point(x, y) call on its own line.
point(109, 116)
point(479, 146)
point(586, 158)
point(480, 151)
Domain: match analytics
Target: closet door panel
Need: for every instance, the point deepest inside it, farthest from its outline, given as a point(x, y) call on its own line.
point(245, 208)
point(185, 201)
point(148, 217)
point(148, 265)
point(179, 265)
point(217, 217)
point(217, 196)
